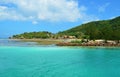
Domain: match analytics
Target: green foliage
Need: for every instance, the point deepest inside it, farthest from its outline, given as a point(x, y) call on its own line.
point(76, 41)
point(77, 34)
point(32, 35)
point(106, 29)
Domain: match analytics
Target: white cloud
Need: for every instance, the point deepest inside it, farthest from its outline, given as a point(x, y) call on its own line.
point(9, 14)
point(48, 10)
point(103, 7)
point(34, 22)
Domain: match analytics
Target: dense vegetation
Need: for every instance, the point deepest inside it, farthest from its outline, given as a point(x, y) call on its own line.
point(32, 35)
point(106, 29)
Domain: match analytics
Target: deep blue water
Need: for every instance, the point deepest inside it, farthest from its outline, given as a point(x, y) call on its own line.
point(18, 59)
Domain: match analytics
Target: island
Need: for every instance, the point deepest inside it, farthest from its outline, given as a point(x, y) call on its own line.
point(95, 33)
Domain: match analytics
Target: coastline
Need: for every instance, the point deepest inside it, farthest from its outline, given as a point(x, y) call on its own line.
point(41, 41)
point(89, 45)
point(66, 42)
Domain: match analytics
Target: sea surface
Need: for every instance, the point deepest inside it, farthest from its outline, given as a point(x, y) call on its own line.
point(27, 59)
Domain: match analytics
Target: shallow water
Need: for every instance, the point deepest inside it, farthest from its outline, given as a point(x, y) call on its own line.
point(38, 61)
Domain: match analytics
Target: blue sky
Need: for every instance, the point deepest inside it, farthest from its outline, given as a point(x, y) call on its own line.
point(18, 16)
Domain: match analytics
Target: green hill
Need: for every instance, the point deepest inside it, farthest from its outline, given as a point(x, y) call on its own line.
point(105, 29)
point(32, 35)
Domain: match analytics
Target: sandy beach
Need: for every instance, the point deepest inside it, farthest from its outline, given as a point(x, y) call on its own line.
point(43, 41)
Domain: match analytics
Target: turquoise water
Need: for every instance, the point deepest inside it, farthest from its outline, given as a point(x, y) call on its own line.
point(37, 61)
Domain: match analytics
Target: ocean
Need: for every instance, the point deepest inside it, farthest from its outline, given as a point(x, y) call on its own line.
point(27, 59)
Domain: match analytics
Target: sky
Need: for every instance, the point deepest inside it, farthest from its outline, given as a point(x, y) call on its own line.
point(19, 16)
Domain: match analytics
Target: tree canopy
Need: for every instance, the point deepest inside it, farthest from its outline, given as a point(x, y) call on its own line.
point(31, 35)
point(105, 29)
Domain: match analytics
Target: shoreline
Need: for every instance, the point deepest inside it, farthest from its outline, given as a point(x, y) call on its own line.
point(89, 45)
point(66, 42)
point(41, 41)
